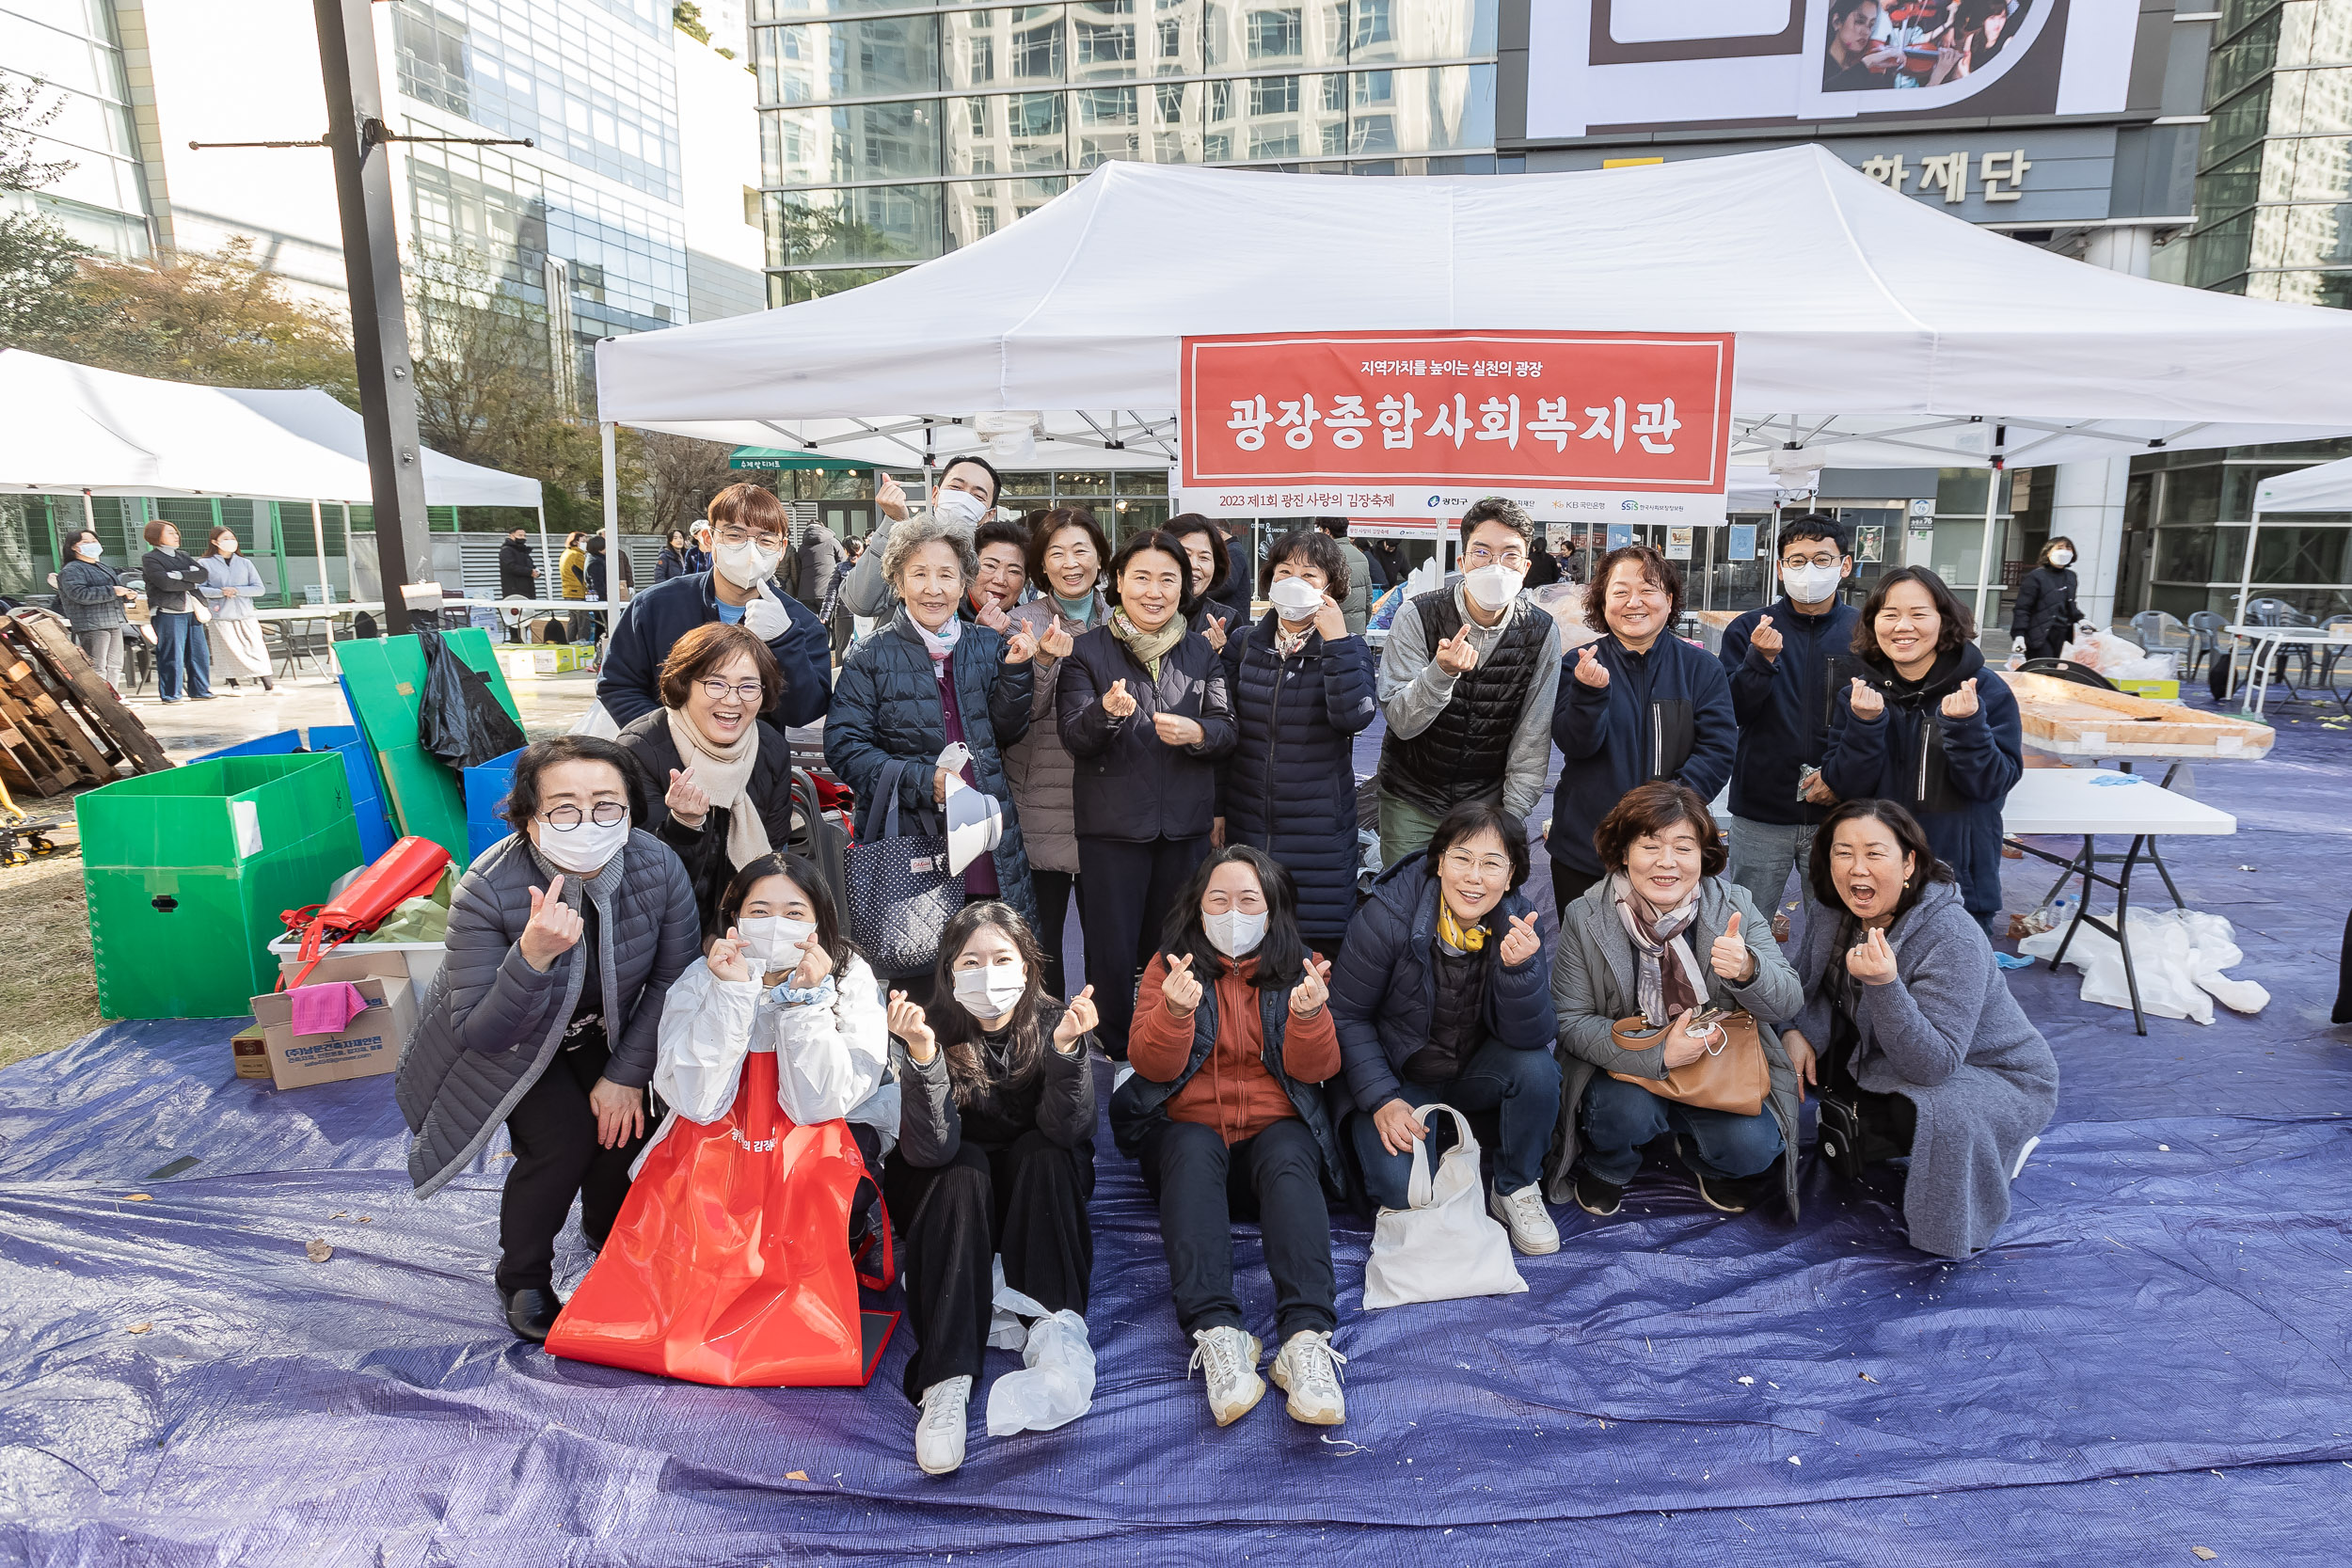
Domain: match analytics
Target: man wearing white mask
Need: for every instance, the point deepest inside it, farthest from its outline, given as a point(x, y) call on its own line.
point(1778, 661)
point(1467, 683)
point(965, 494)
point(749, 536)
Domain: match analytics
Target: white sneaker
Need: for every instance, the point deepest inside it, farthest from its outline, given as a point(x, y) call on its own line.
point(1230, 1359)
point(1525, 1218)
point(1309, 1371)
point(939, 1435)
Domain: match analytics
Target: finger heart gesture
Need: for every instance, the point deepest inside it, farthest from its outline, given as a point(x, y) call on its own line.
point(728, 959)
point(1766, 638)
point(1057, 641)
point(1313, 989)
point(1118, 701)
point(1180, 989)
point(1871, 960)
point(1963, 702)
point(816, 963)
point(907, 1022)
point(1521, 943)
point(1866, 700)
point(1456, 656)
point(1590, 671)
point(1021, 648)
point(1077, 1021)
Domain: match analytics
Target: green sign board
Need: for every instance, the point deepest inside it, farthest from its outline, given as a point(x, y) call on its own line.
point(779, 458)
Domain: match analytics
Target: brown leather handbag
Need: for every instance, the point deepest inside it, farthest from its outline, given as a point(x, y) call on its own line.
point(1732, 1075)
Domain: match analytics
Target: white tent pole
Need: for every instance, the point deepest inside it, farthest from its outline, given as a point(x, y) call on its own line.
point(351, 575)
point(611, 520)
point(2246, 569)
point(1984, 549)
point(547, 560)
point(318, 543)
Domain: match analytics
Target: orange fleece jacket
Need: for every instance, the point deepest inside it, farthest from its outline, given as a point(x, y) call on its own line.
point(1233, 1092)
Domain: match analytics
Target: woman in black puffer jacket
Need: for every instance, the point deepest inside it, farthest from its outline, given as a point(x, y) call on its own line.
point(1302, 690)
point(2044, 614)
point(1144, 711)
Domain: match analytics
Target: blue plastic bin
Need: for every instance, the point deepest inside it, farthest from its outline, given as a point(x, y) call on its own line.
point(487, 788)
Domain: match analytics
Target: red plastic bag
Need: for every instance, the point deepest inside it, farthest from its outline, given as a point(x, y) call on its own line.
point(730, 1261)
point(410, 870)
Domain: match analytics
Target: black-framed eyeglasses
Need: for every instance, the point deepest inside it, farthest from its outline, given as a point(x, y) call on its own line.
point(717, 690)
point(604, 815)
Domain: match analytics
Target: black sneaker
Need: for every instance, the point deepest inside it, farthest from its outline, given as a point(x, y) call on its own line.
point(1732, 1197)
point(1596, 1196)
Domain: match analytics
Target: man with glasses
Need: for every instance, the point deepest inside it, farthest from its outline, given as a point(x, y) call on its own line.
point(1778, 658)
point(750, 533)
point(965, 494)
point(1467, 682)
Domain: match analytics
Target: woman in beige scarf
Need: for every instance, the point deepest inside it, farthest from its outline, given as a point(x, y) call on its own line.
point(722, 780)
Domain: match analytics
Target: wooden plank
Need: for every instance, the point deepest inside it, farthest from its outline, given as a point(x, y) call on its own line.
point(59, 725)
point(2072, 720)
point(41, 771)
point(48, 639)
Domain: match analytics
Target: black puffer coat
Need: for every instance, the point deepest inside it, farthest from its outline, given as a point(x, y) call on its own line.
point(886, 707)
point(1132, 786)
point(491, 1024)
point(2045, 613)
point(1289, 786)
point(704, 850)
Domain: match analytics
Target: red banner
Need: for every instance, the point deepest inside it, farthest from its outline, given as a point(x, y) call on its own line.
point(1507, 411)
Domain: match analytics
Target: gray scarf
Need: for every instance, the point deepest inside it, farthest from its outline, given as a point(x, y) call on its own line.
point(1653, 932)
point(601, 888)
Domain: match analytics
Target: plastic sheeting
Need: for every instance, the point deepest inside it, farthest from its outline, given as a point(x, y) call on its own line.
point(182, 1385)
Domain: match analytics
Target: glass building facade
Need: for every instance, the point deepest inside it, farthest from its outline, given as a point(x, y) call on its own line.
point(893, 133)
point(72, 52)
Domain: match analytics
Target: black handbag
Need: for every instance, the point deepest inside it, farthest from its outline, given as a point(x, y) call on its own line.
point(820, 840)
point(901, 894)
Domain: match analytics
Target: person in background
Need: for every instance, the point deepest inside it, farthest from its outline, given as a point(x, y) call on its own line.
point(2044, 617)
point(965, 494)
point(671, 563)
point(1144, 710)
point(563, 941)
point(927, 680)
point(1388, 559)
point(572, 568)
point(92, 595)
point(1441, 997)
point(1855, 59)
point(1639, 705)
point(1205, 553)
point(174, 580)
point(231, 589)
point(840, 623)
point(814, 560)
point(1232, 1041)
point(1241, 578)
point(1467, 681)
point(518, 575)
point(1543, 567)
point(1355, 610)
point(1917, 720)
point(1301, 690)
point(718, 782)
point(751, 530)
point(1003, 548)
point(1779, 661)
point(1909, 1030)
point(1065, 555)
point(996, 1157)
point(698, 545)
point(1659, 936)
point(600, 584)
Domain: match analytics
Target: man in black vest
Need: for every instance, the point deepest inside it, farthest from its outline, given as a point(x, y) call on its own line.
point(1467, 683)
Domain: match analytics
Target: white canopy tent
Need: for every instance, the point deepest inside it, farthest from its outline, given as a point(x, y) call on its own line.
point(66, 428)
point(2327, 488)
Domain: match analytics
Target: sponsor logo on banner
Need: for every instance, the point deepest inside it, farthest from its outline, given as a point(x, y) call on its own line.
point(1383, 423)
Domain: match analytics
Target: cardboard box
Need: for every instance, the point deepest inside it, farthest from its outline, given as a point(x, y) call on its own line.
point(546, 658)
point(368, 1045)
point(250, 1048)
point(364, 960)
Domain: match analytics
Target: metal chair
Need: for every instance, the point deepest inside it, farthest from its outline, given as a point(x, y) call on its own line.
point(2205, 630)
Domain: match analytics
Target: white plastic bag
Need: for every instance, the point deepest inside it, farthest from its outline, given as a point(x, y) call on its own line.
point(1056, 1385)
point(2117, 657)
point(1446, 1246)
point(2177, 957)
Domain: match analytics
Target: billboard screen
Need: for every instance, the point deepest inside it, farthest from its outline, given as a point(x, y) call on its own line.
point(1606, 67)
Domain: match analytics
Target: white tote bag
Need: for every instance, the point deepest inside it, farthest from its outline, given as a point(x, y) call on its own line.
point(1446, 1246)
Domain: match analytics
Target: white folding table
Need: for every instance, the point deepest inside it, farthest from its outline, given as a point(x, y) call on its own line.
point(2087, 802)
point(2269, 642)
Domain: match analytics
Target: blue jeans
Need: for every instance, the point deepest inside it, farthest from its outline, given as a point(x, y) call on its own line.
point(1523, 1085)
point(1763, 854)
point(1619, 1118)
point(179, 640)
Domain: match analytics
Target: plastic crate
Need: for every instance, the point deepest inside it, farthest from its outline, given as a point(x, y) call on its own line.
point(487, 789)
point(213, 815)
point(367, 797)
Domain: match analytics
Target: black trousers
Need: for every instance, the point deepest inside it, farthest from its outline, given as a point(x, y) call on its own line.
point(1202, 1186)
point(1567, 887)
point(1053, 890)
point(1026, 1200)
point(557, 1159)
point(2049, 642)
point(1129, 889)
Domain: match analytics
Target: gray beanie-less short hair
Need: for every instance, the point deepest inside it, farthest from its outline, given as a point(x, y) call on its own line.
point(927, 529)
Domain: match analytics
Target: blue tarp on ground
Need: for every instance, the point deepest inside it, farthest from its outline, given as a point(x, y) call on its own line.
point(2153, 1359)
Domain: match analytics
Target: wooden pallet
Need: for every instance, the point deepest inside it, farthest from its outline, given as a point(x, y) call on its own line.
point(2071, 719)
point(45, 642)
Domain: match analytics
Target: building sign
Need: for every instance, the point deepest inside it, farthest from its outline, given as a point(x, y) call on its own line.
point(1605, 67)
point(1577, 424)
point(1427, 530)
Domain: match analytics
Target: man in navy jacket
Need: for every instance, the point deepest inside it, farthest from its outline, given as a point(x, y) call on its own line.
point(1640, 703)
point(1778, 658)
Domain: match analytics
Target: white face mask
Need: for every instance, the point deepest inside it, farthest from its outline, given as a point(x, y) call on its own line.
point(1494, 586)
point(772, 941)
point(1295, 597)
point(89, 549)
point(585, 849)
point(228, 546)
point(2062, 558)
point(991, 989)
point(1234, 934)
point(960, 507)
point(1810, 584)
point(746, 565)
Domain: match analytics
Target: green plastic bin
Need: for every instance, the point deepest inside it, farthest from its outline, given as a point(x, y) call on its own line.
point(189, 871)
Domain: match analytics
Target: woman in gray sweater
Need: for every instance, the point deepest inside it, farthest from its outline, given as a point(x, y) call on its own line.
point(1911, 1033)
point(1662, 934)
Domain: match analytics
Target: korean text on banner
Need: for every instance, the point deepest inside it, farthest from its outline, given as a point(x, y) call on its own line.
point(1578, 424)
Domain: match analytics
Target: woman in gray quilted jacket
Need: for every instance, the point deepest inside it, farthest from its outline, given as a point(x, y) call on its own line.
point(563, 941)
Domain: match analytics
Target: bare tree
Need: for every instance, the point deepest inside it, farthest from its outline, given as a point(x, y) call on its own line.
point(681, 476)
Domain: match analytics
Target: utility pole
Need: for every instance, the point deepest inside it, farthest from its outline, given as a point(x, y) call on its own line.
point(379, 313)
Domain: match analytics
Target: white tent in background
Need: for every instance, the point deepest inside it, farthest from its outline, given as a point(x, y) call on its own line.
point(2327, 488)
point(316, 417)
point(1873, 330)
